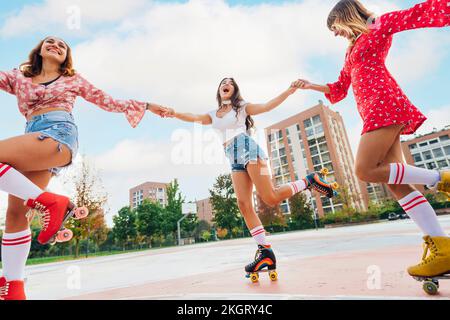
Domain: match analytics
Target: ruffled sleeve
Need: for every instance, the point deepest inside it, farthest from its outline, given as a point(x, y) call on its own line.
point(134, 110)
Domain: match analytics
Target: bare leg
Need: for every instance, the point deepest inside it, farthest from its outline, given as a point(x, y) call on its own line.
point(264, 186)
point(27, 153)
point(243, 187)
point(373, 150)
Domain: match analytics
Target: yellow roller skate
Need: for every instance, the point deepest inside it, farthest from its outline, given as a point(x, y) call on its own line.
point(435, 265)
point(444, 185)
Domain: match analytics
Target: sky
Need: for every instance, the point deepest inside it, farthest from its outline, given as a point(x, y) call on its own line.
point(176, 52)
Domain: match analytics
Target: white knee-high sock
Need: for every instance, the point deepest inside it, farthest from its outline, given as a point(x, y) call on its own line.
point(405, 174)
point(15, 183)
point(15, 251)
point(259, 234)
point(298, 186)
point(422, 213)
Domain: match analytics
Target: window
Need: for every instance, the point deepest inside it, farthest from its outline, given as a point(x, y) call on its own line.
point(307, 123)
point(298, 127)
point(282, 152)
point(325, 201)
point(427, 155)
point(323, 148)
point(326, 157)
point(321, 139)
point(319, 129)
point(423, 144)
point(314, 151)
point(444, 138)
point(316, 160)
point(309, 132)
point(431, 165)
point(269, 137)
point(434, 141)
point(442, 164)
point(447, 150)
point(438, 153)
point(412, 146)
point(417, 157)
point(316, 120)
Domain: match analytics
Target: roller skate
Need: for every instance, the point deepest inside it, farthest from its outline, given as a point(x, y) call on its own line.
point(317, 182)
point(53, 212)
point(264, 258)
point(435, 266)
point(443, 186)
point(12, 290)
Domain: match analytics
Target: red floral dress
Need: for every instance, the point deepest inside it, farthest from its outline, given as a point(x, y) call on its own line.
point(380, 100)
point(62, 94)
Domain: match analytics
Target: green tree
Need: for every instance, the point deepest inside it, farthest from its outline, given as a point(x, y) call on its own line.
point(89, 192)
point(271, 217)
point(301, 212)
point(173, 210)
point(224, 203)
point(149, 219)
point(124, 229)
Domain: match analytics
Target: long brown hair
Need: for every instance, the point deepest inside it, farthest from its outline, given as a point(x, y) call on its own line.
point(351, 16)
point(236, 100)
point(33, 67)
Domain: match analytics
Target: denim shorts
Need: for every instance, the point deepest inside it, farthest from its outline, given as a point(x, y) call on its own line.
point(242, 151)
point(59, 126)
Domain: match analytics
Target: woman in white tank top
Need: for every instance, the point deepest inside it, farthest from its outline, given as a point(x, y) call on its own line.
point(248, 161)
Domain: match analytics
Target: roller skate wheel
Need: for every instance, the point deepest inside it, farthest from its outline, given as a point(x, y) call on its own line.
point(254, 277)
point(81, 213)
point(430, 288)
point(273, 276)
point(64, 235)
point(335, 185)
point(324, 171)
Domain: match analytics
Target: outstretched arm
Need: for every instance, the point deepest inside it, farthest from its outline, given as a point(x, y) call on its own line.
point(334, 92)
point(133, 110)
point(431, 13)
point(204, 119)
point(254, 109)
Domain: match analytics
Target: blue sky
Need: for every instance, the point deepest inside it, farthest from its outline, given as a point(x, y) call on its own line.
point(421, 59)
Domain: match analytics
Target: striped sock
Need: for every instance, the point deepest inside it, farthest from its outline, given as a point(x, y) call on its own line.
point(15, 251)
point(406, 174)
point(298, 186)
point(15, 183)
point(421, 212)
point(259, 234)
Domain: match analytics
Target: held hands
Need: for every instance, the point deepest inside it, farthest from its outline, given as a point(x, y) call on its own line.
point(302, 84)
point(163, 112)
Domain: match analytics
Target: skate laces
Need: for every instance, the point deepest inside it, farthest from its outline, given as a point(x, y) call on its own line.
point(43, 214)
point(4, 291)
point(429, 245)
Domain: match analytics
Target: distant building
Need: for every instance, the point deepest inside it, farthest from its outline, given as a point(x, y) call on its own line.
point(309, 141)
point(154, 191)
point(430, 151)
point(205, 210)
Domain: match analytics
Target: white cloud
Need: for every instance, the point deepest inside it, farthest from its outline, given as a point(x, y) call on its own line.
point(69, 17)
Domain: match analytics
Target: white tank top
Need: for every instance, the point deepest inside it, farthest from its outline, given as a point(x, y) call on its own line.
point(230, 125)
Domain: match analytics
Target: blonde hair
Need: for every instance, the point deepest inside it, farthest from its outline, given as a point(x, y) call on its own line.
point(350, 16)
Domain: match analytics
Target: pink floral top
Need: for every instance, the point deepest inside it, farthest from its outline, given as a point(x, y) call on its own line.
point(381, 102)
point(62, 94)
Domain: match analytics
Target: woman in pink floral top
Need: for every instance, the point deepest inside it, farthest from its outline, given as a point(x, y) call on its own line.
point(46, 88)
point(387, 113)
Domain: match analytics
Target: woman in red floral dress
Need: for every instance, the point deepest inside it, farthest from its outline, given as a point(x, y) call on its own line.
point(387, 113)
point(46, 88)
